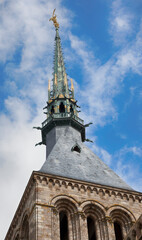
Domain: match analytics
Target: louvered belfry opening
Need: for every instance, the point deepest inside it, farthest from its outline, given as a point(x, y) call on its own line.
point(62, 108)
point(71, 108)
point(64, 235)
point(91, 229)
point(118, 231)
point(52, 110)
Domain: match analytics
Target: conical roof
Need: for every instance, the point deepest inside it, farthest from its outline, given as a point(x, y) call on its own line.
point(70, 157)
point(63, 132)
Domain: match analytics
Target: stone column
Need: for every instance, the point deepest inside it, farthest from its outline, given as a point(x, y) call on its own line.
point(73, 228)
point(98, 227)
point(83, 231)
point(110, 227)
point(125, 230)
point(55, 225)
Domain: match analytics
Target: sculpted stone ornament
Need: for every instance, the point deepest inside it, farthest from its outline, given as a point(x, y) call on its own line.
point(54, 19)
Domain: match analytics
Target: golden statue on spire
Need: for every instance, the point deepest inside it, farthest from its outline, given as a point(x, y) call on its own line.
point(54, 19)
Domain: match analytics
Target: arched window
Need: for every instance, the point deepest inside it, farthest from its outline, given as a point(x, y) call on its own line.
point(52, 110)
point(118, 231)
point(91, 229)
point(62, 108)
point(25, 229)
point(64, 235)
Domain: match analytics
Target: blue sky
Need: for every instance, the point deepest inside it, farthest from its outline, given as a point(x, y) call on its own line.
point(102, 45)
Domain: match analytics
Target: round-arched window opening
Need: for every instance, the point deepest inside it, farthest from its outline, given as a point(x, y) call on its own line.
point(62, 108)
point(91, 229)
point(25, 229)
point(118, 231)
point(71, 108)
point(64, 235)
point(52, 110)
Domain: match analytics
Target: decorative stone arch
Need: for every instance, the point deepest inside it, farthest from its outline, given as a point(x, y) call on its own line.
point(125, 196)
point(68, 206)
point(25, 214)
point(17, 236)
point(24, 228)
point(120, 207)
point(63, 196)
point(122, 216)
point(96, 211)
point(97, 203)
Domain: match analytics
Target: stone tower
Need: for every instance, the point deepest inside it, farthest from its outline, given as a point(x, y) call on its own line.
point(74, 196)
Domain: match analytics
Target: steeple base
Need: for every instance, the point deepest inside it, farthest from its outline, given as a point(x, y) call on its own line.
point(46, 197)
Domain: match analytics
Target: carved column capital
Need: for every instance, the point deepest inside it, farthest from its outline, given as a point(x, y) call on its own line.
point(107, 219)
point(55, 211)
point(80, 214)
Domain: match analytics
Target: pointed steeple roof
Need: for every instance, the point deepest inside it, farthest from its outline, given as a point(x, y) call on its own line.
point(60, 83)
point(61, 106)
point(63, 132)
point(68, 156)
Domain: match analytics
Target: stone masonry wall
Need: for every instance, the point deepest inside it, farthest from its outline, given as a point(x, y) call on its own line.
point(51, 194)
point(135, 232)
point(26, 210)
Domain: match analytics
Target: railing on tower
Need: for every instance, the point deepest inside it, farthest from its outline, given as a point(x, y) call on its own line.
point(62, 115)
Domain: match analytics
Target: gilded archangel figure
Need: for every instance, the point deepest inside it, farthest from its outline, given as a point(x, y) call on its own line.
point(54, 19)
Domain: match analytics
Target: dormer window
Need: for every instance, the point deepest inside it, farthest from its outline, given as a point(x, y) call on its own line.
point(76, 148)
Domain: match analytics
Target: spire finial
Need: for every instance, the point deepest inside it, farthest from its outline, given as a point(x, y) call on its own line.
point(48, 85)
point(65, 79)
point(72, 88)
point(55, 79)
point(54, 19)
point(48, 90)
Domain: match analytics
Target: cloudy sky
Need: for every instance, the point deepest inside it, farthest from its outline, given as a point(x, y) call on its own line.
point(102, 45)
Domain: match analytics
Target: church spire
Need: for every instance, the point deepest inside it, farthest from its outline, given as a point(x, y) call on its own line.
point(60, 83)
point(62, 108)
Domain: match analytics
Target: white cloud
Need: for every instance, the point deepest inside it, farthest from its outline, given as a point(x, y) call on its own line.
point(19, 157)
point(27, 35)
point(128, 167)
point(103, 82)
point(136, 150)
point(121, 22)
